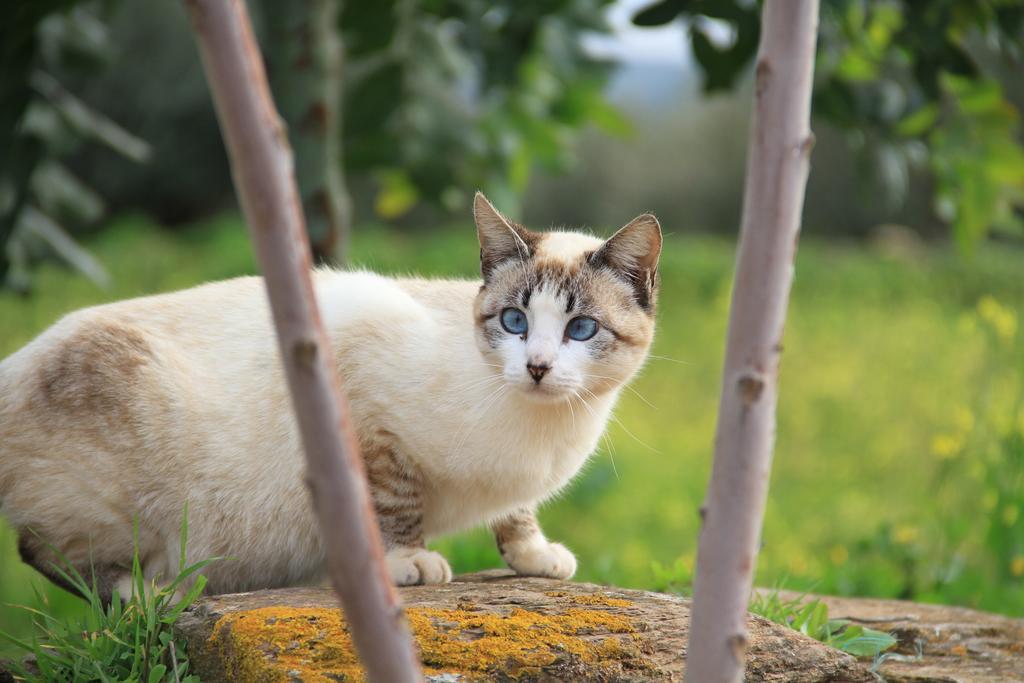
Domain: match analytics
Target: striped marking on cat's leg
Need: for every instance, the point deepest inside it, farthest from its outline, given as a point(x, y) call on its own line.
point(396, 489)
point(44, 558)
point(523, 546)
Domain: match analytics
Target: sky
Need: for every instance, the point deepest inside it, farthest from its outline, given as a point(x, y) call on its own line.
point(664, 46)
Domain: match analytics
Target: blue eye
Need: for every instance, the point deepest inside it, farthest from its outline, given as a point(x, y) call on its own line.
point(514, 321)
point(581, 328)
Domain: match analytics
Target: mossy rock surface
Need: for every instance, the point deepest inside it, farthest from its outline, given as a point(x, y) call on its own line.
point(938, 643)
point(489, 626)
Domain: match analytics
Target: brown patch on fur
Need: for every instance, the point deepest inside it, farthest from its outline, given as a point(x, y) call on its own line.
point(36, 554)
point(563, 275)
point(501, 240)
point(395, 488)
point(633, 253)
point(95, 371)
point(512, 250)
point(518, 526)
point(627, 339)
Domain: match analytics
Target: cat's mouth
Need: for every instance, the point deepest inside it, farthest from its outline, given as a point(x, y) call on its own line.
point(546, 392)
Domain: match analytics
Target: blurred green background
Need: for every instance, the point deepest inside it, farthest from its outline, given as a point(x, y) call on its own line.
point(899, 467)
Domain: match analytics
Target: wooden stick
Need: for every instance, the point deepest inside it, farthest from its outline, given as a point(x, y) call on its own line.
point(780, 145)
point(261, 163)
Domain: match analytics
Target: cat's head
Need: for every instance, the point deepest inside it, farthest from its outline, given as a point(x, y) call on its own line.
point(565, 314)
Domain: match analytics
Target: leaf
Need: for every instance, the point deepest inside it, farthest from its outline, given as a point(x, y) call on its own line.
point(157, 673)
point(866, 642)
point(920, 121)
point(817, 622)
point(658, 14)
point(59, 193)
point(721, 66)
point(89, 122)
point(194, 592)
point(396, 195)
point(65, 246)
point(190, 570)
point(857, 67)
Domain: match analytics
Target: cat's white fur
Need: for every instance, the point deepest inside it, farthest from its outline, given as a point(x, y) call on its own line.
point(214, 426)
point(486, 450)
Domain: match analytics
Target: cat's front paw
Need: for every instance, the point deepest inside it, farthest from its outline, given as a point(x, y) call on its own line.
point(550, 560)
point(416, 566)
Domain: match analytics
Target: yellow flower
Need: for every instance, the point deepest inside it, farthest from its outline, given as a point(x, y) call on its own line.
point(1017, 566)
point(839, 555)
point(1010, 514)
point(1002, 319)
point(797, 565)
point(967, 325)
point(963, 419)
point(946, 446)
point(1006, 325)
point(990, 500)
point(904, 534)
point(988, 307)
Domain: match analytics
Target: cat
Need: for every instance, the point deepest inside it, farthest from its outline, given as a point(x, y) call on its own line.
point(473, 403)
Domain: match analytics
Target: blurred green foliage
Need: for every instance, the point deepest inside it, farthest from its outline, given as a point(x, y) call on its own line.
point(443, 97)
point(910, 83)
point(40, 123)
point(438, 98)
point(898, 469)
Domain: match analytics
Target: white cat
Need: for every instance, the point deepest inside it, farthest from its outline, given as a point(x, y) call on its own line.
point(472, 404)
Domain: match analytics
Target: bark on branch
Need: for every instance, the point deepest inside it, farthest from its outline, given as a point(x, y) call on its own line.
point(261, 162)
point(780, 144)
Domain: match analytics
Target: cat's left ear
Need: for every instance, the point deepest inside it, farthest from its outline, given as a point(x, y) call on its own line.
point(500, 238)
point(633, 252)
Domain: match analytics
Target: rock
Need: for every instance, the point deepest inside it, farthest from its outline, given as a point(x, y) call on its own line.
point(938, 644)
point(489, 626)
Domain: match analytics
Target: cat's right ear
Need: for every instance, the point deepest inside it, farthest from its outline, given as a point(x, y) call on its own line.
point(500, 238)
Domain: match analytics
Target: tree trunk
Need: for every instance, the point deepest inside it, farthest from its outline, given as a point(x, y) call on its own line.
point(305, 60)
point(780, 144)
point(261, 164)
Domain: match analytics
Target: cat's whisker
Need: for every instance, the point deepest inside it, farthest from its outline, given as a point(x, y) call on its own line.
point(460, 437)
point(671, 360)
point(611, 453)
point(627, 386)
point(612, 416)
point(585, 405)
point(604, 434)
point(478, 382)
point(466, 430)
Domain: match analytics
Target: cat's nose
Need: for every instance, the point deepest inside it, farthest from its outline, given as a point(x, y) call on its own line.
point(537, 372)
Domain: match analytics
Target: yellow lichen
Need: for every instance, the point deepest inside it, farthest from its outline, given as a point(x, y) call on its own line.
point(595, 599)
point(269, 643)
point(313, 644)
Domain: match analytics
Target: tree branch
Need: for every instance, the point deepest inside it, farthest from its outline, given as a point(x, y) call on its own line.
point(261, 162)
point(780, 144)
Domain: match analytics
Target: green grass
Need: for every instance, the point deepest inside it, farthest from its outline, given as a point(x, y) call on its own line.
point(810, 617)
point(899, 467)
point(127, 639)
